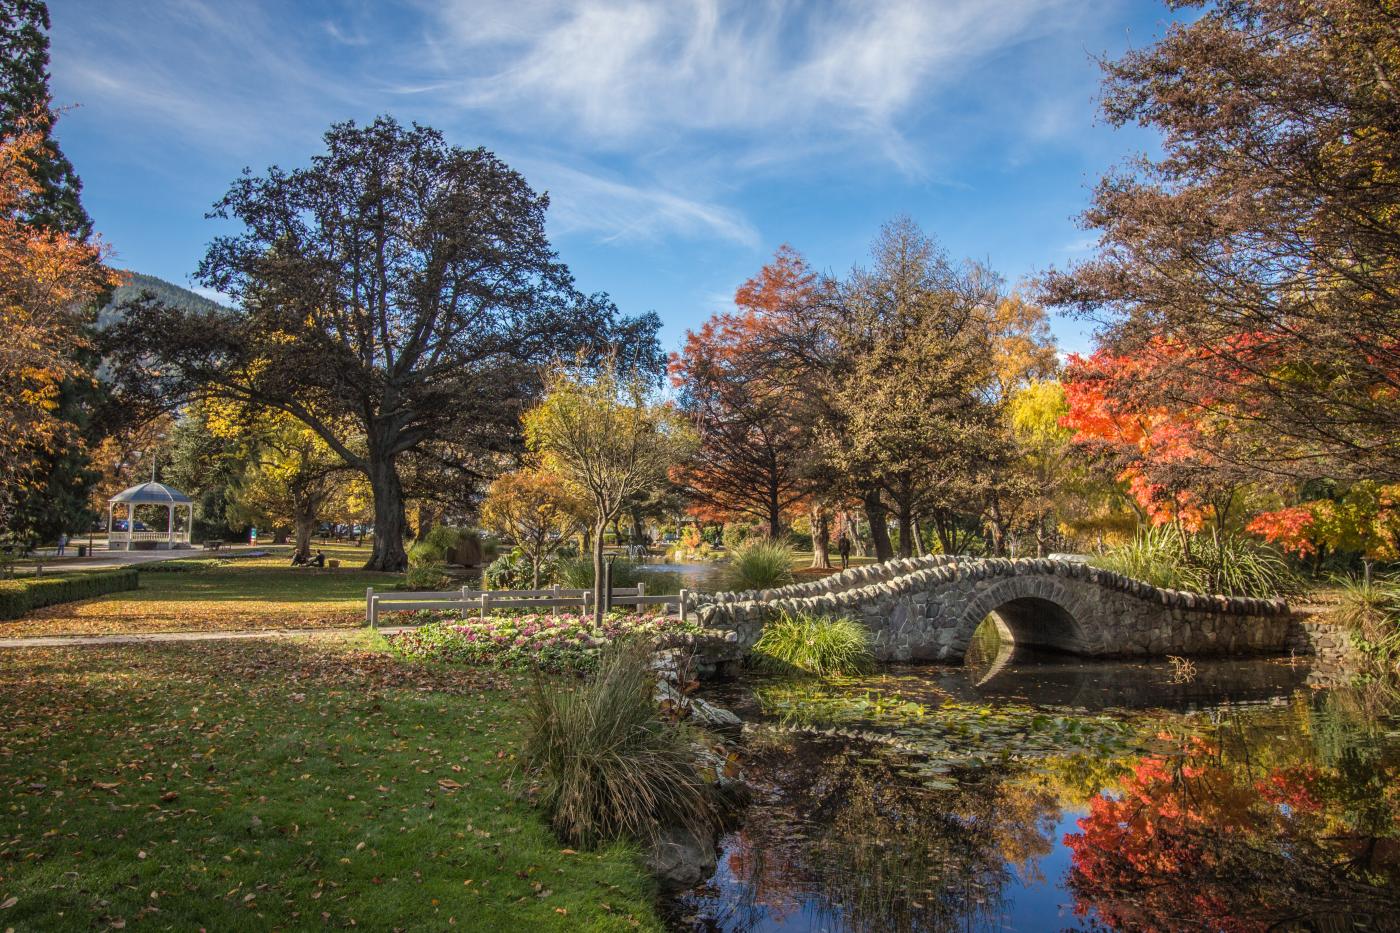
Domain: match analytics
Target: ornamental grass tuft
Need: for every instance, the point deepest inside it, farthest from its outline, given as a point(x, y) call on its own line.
point(759, 564)
point(605, 764)
point(814, 645)
point(1227, 565)
point(1369, 609)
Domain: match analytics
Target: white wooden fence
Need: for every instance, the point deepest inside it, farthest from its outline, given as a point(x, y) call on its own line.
point(468, 601)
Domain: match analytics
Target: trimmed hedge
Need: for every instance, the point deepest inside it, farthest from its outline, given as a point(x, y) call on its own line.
point(181, 565)
point(29, 593)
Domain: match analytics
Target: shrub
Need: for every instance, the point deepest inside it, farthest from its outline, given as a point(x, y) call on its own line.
point(814, 645)
point(759, 564)
point(1370, 610)
point(442, 544)
point(1229, 565)
point(28, 593)
point(429, 577)
point(606, 765)
point(735, 534)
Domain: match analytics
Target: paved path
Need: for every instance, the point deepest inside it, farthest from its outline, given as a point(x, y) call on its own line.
point(67, 641)
point(103, 559)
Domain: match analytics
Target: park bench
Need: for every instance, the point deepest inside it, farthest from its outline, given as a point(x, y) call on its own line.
point(213, 544)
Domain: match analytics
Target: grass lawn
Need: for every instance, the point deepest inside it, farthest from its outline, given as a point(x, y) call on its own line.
point(244, 594)
point(280, 784)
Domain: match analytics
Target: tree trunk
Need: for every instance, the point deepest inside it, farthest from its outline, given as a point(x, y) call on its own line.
point(775, 515)
point(639, 531)
point(388, 554)
point(919, 550)
point(821, 536)
point(875, 513)
point(598, 533)
point(305, 523)
point(906, 532)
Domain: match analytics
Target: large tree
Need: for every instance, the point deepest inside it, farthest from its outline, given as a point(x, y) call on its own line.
point(398, 296)
point(754, 453)
point(1251, 270)
point(26, 106)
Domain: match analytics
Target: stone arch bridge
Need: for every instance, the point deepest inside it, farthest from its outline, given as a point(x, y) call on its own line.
point(926, 609)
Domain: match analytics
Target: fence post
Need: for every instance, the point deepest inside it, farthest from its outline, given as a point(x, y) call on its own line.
point(370, 615)
point(466, 612)
point(554, 601)
point(641, 591)
point(485, 604)
point(682, 602)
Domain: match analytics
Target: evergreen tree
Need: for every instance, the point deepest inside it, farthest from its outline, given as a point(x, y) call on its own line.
point(25, 101)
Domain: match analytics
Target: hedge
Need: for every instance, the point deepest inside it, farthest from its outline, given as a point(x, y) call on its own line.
point(29, 593)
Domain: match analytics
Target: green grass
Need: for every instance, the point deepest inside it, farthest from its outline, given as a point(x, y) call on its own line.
point(814, 645)
point(283, 785)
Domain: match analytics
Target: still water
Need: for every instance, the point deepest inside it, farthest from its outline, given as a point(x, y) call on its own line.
point(1032, 793)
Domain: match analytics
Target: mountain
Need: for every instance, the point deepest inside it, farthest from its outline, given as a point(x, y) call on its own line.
point(138, 283)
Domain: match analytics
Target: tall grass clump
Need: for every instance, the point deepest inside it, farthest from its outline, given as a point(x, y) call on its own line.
point(759, 564)
point(607, 765)
point(815, 645)
point(1224, 564)
point(1370, 610)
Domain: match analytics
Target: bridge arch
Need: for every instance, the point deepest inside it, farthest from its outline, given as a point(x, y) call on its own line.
point(1031, 612)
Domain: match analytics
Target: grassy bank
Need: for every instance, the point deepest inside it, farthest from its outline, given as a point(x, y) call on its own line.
point(241, 594)
point(280, 785)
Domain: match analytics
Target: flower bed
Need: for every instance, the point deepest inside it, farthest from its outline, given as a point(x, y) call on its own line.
point(561, 643)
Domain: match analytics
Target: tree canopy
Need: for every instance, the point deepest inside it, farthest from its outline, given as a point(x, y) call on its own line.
point(398, 296)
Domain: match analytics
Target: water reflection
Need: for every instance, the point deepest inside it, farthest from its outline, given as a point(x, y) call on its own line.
point(1242, 801)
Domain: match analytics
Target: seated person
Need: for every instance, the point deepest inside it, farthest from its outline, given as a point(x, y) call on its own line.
point(318, 561)
point(300, 560)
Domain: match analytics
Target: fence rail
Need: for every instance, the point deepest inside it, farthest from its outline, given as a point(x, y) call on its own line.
point(468, 600)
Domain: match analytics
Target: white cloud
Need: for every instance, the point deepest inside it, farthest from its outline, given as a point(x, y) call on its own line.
point(615, 211)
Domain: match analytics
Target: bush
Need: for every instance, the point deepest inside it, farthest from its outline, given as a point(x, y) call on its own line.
point(606, 765)
point(29, 593)
point(443, 544)
point(429, 577)
point(1370, 610)
point(814, 645)
point(1199, 563)
point(759, 564)
point(736, 534)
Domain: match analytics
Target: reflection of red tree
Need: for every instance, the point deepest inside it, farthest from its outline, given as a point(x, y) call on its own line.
point(1191, 844)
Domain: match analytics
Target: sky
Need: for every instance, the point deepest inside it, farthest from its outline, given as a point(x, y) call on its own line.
point(681, 141)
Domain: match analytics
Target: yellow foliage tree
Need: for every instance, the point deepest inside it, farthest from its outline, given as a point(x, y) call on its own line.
point(603, 433)
point(537, 510)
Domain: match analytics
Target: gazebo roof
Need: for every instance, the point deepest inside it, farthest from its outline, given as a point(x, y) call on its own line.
point(152, 493)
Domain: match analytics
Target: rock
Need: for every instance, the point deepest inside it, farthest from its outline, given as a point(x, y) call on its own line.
point(680, 859)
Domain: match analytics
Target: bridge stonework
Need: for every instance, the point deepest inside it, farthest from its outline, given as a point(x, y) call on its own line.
point(927, 609)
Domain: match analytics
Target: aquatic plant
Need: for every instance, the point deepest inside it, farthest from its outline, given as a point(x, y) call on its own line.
point(815, 645)
point(605, 765)
point(759, 564)
point(1224, 564)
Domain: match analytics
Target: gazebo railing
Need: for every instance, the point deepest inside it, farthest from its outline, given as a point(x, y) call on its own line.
point(135, 536)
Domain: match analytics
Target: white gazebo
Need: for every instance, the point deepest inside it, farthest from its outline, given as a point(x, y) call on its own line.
point(152, 493)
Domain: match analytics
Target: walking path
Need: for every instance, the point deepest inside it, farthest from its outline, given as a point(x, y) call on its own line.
point(67, 641)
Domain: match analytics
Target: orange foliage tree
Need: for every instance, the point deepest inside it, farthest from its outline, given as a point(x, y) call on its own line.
point(49, 281)
point(752, 457)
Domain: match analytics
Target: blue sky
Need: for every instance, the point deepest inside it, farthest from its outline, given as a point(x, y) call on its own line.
point(681, 141)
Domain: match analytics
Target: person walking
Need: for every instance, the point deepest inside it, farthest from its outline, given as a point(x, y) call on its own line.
point(843, 547)
point(62, 542)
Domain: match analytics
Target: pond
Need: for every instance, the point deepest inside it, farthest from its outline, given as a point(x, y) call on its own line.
point(1034, 793)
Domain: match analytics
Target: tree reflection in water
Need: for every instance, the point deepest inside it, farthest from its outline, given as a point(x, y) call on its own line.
point(1231, 833)
point(851, 843)
point(1283, 814)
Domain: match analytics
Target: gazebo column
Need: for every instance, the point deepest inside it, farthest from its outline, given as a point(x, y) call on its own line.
point(170, 527)
point(110, 530)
